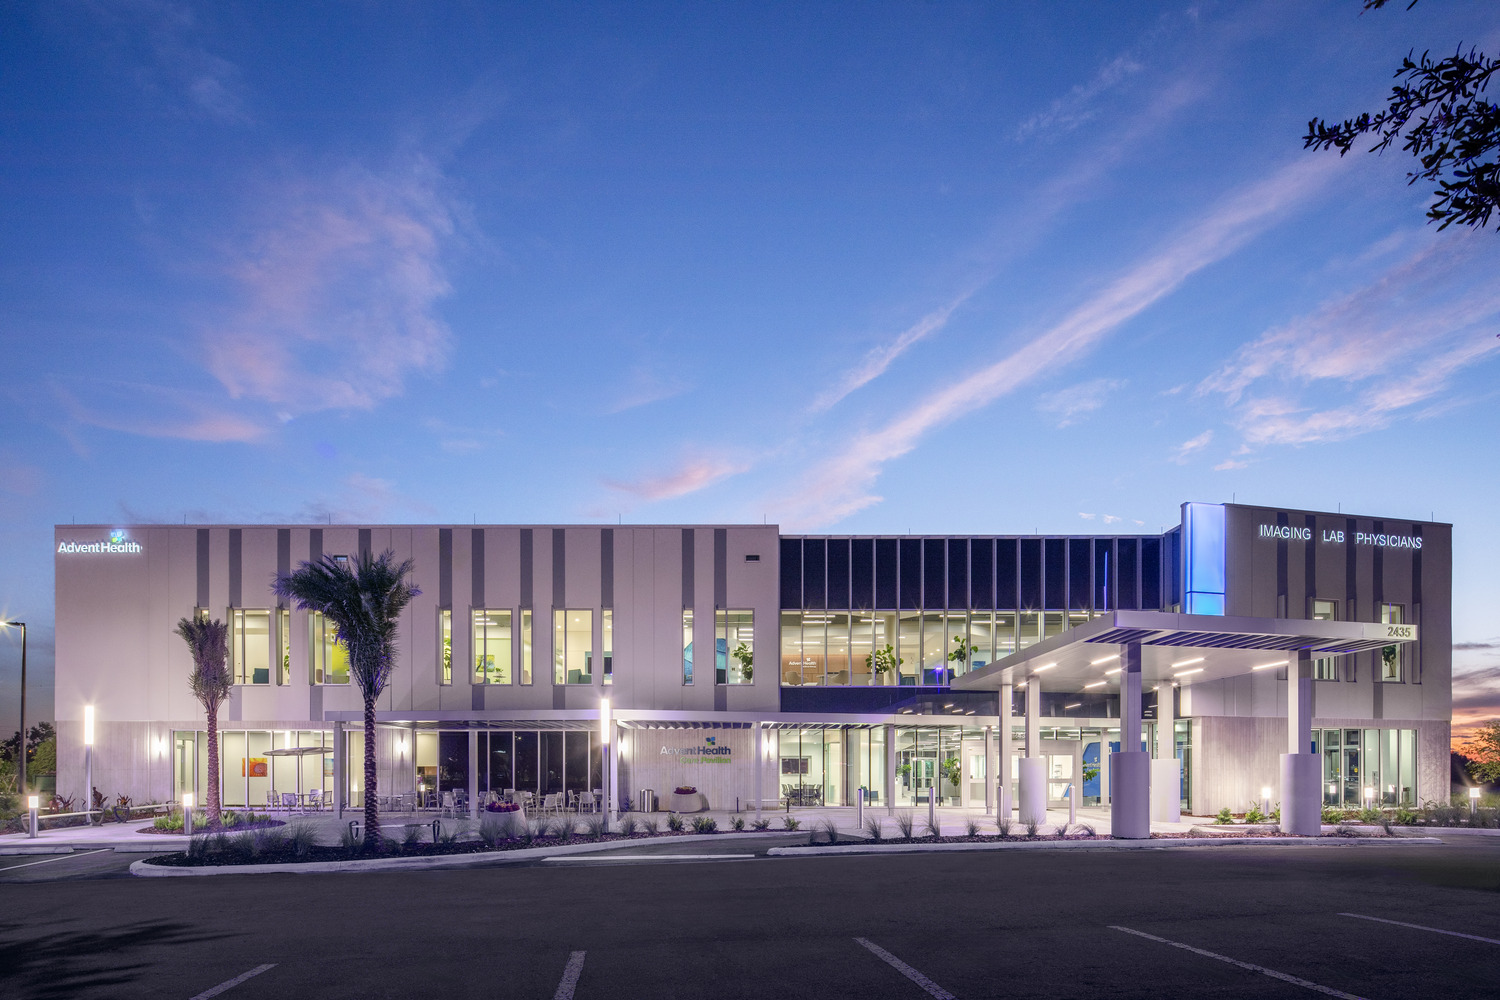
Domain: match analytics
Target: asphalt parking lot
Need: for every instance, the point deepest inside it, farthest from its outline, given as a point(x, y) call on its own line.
point(1220, 922)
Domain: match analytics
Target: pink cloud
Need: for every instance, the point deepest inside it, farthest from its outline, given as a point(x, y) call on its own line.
point(693, 475)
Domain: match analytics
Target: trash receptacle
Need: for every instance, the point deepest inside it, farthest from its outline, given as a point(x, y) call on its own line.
point(646, 801)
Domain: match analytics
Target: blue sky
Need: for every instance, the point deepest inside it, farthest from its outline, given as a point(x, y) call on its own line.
point(853, 267)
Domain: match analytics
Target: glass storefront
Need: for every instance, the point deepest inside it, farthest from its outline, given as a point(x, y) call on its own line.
point(249, 775)
point(1363, 766)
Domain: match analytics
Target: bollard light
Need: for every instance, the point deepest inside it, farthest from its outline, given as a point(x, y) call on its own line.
point(1265, 799)
point(1474, 800)
point(187, 814)
point(88, 725)
point(33, 803)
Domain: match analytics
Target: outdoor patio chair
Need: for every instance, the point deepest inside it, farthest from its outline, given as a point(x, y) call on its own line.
point(315, 799)
point(448, 806)
point(289, 801)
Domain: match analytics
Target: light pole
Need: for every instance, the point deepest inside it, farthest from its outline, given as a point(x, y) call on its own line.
point(88, 762)
point(21, 750)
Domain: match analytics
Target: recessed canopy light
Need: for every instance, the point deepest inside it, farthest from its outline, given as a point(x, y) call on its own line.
point(1044, 666)
point(1268, 666)
point(1184, 673)
point(1096, 684)
point(1111, 673)
point(1104, 659)
point(1185, 663)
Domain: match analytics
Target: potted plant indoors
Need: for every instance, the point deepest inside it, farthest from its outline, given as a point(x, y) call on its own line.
point(743, 653)
point(961, 651)
point(883, 662)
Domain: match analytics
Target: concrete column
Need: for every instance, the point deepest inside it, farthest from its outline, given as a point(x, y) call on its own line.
point(758, 755)
point(340, 784)
point(1007, 699)
point(989, 771)
point(1130, 806)
point(1104, 797)
point(890, 770)
point(611, 803)
point(474, 774)
point(1301, 770)
point(1166, 769)
point(1031, 790)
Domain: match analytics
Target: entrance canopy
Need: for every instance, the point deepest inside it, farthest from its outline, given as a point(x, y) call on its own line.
point(1177, 647)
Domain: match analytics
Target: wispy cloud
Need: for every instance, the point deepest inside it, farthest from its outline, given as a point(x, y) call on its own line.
point(1381, 350)
point(1191, 447)
point(1079, 105)
point(165, 49)
point(460, 440)
point(1070, 405)
point(644, 386)
point(362, 498)
point(154, 411)
point(879, 358)
point(339, 284)
point(692, 475)
point(842, 483)
point(1230, 464)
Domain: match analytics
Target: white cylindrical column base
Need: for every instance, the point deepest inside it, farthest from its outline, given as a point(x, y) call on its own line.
point(1301, 794)
point(1130, 798)
point(1166, 791)
point(1031, 791)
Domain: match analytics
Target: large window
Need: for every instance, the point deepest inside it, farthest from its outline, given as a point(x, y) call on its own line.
point(1368, 766)
point(1391, 657)
point(526, 646)
point(608, 626)
point(445, 646)
point(1325, 668)
point(573, 646)
point(687, 645)
point(734, 647)
point(327, 659)
point(250, 646)
point(492, 647)
point(284, 619)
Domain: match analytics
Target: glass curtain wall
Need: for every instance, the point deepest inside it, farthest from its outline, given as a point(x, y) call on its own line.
point(1368, 766)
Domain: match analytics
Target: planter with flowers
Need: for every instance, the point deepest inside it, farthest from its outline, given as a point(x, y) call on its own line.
point(687, 799)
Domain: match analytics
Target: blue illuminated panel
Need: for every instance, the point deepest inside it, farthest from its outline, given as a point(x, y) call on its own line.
point(1203, 526)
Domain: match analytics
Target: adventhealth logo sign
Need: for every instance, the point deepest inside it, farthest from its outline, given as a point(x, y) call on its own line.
point(709, 753)
point(117, 544)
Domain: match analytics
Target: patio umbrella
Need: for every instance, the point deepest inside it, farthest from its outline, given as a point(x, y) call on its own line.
point(296, 752)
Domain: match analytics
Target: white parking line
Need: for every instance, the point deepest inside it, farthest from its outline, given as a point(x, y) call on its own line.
point(230, 984)
point(571, 972)
point(1327, 990)
point(1419, 927)
point(60, 857)
point(931, 988)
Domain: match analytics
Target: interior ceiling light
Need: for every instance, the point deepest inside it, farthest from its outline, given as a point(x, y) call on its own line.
point(1186, 663)
point(1184, 673)
point(1076, 704)
point(1096, 684)
point(1044, 666)
point(1268, 666)
point(1104, 659)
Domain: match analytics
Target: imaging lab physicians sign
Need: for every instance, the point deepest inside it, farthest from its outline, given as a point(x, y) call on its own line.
point(1381, 540)
point(117, 544)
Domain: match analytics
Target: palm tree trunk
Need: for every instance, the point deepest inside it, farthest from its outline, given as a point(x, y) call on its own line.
point(372, 811)
point(211, 800)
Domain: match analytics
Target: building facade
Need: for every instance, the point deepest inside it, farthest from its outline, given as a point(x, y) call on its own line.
point(762, 668)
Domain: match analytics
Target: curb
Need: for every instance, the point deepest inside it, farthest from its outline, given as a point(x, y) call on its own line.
point(1106, 845)
point(145, 869)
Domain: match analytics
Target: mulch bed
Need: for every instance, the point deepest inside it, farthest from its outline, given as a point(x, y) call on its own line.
point(228, 830)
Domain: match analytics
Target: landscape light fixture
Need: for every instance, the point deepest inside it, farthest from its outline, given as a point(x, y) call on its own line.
point(33, 803)
point(187, 814)
point(88, 761)
point(1265, 795)
point(1473, 800)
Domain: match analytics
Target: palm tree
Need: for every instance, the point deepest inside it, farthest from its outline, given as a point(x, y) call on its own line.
point(210, 681)
point(364, 602)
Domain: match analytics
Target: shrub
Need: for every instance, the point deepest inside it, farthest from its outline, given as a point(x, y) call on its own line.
point(971, 828)
point(762, 824)
point(491, 831)
point(674, 822)
point(171, 821)
point(1332, 815)
point(904, 823)
point(652, 825)
point(874, 828)
point(1224, 818)
point(790, 822)
point(828, 828)
point(627, 826)
point(1087, 830)
point(411, 836)
point(245, 844)
point(530, 831)
point(1254, 815)
point(1406, 817)
point(1031, 828)
point(932, 827)
point(738, 823)
point(1003, 824)
point(1370, 815)
point(705, 824)
point(448, 834)
point(1061, 831)
point(562, 830)
point(348, 839)
point(593, 827)
point(269, 841)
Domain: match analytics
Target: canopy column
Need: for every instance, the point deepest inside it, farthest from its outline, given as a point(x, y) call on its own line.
point(1301, 769)
point(1166, 769)
point(474, 774)
point(1031, 790)
point(1007, 698)
point(1130, 768)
